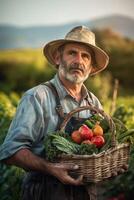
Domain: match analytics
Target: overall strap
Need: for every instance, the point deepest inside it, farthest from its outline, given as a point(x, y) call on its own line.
point(58, 108)
point(87, 99)
point(89, 103)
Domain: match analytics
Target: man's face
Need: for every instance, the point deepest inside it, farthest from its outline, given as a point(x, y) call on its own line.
point(75, 63)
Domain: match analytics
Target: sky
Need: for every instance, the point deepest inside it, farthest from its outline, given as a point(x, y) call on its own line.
point(53, 12)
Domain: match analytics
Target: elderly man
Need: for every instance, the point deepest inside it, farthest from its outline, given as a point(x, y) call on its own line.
point(41, 111)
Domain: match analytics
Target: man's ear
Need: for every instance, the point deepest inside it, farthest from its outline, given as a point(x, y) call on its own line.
point(57, 57)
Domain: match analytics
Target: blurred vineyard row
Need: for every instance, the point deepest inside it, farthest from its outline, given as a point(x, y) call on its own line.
point(10, 177)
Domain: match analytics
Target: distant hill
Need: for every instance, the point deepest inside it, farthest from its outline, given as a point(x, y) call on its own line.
point(33, 37)
point(120, 24)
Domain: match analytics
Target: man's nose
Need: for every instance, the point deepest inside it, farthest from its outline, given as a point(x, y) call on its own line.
point(78, 58)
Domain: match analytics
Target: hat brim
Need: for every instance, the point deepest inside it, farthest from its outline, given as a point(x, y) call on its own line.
point(101, 57)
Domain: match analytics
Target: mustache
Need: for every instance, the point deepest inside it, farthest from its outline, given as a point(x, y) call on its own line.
point(76, 66)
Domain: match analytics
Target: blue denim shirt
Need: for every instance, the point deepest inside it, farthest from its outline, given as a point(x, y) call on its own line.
point(36, 116)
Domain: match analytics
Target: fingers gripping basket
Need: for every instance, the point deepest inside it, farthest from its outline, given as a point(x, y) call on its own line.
point(97, 167)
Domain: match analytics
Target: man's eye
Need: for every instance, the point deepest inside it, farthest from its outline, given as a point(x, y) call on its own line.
point(87, 56)
point(72, 53)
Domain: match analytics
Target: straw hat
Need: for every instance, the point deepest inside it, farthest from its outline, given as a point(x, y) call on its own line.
point(81, 35)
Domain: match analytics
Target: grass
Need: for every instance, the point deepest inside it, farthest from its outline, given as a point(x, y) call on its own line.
point(26, 56)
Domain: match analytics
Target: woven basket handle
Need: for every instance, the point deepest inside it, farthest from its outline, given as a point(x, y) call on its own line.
point(96, 110)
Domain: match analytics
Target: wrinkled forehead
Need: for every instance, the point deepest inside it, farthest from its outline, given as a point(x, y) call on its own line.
point(76, 46)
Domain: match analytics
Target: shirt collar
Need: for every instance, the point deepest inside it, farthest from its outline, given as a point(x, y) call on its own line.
point(62, 92)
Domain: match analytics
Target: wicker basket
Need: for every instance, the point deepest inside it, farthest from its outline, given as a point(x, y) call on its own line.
point(97, 167)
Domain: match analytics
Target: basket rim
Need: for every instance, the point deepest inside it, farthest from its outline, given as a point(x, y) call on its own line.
point(94, 155)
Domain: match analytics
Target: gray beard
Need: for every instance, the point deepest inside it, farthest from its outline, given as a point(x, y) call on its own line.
point(71, 77)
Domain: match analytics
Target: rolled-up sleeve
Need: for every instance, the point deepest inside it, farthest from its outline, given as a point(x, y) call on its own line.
point(26, 128)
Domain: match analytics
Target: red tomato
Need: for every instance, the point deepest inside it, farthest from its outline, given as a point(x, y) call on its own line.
point(85, 132)
point(98, 140)
point(76, 137)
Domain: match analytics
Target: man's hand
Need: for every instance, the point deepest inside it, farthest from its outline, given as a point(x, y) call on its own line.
point(61, 172)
